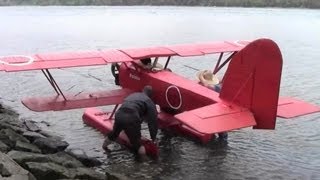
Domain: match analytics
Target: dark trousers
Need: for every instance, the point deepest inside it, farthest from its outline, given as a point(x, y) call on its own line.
point(130, 122)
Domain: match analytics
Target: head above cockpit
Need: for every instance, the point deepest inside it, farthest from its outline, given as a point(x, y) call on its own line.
point(146, 61)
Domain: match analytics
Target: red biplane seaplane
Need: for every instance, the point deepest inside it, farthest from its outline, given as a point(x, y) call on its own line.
point(249, 95)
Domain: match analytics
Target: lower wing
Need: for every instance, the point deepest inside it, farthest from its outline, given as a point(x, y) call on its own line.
point(58, 103)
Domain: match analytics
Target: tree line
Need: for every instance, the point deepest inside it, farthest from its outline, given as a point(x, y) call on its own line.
point(226, 3)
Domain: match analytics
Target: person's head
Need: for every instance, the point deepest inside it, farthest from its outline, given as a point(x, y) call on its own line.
point(147, 90)
point(146, 61)
point(207, 78)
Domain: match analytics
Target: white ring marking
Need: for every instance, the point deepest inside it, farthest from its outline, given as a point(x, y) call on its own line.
point(30, 60)
point(173, 86)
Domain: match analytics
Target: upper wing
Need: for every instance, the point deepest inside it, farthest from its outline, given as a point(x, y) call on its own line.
point(186, 49)
point(290, 107)
point(216, 118)
point(61, 60)
point(88, 58)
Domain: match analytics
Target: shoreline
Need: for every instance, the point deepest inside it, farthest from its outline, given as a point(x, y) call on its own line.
point(30, 153)
point(258, 7)
point(169, 6)
point(177, 4)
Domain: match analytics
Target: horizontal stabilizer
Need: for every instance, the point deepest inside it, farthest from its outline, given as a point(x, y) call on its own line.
point(217, 118)
point(290, 107)
point(58, 103)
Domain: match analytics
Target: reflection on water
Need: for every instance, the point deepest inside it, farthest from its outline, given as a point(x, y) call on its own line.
point(289, 152)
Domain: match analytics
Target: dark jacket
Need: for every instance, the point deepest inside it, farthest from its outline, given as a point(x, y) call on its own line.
point(145, 107)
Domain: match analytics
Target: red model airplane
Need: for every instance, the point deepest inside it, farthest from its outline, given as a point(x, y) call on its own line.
point(249, 95)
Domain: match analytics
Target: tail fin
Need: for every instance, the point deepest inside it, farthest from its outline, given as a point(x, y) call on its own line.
point(252, 80)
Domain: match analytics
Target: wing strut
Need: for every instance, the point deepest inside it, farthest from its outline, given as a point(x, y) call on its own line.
point(217, 68)
point(155, 62)
point(167, 62)
point(53, 83)
point(218, 63)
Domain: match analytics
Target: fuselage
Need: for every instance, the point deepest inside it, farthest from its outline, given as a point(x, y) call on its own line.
point(171, 91)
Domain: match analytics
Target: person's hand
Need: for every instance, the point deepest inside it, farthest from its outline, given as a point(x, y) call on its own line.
point(155, 141)
point(142, 150)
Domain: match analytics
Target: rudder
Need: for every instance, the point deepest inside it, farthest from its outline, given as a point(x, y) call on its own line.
point(252, 80)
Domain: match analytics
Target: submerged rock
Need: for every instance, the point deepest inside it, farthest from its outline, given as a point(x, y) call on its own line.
point(85, 173)
point(116, 176)
point(65, 159)
point(83, 157)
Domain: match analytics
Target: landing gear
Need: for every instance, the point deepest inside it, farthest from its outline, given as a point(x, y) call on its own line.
point(115, 72)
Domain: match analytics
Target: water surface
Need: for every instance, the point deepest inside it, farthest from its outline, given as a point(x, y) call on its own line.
point(289, 152)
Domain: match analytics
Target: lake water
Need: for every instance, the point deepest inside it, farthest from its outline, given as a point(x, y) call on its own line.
point(292, 151)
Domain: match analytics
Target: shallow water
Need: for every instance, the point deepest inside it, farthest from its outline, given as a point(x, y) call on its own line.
point(289, 152)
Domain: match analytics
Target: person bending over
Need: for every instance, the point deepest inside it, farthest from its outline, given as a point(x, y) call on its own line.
point(136, 108)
